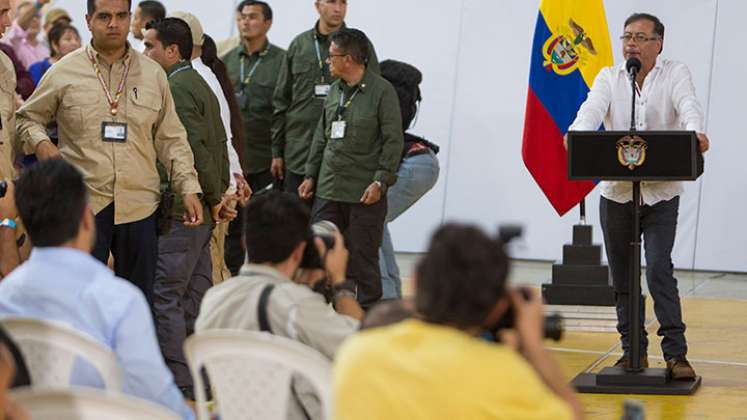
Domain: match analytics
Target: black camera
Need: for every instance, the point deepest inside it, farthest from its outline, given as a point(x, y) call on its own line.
point(3, 188)
point(553, 324)
point(324, 230)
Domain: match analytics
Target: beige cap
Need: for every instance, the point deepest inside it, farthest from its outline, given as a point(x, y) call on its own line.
point(54, 14)
point(194, 26)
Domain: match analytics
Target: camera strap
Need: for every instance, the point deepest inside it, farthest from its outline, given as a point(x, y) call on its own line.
point(264, 297)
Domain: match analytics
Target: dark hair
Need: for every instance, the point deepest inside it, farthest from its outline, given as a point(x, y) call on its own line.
point(352, 42)
point(210, 58)
point(266, 9)
point(51, 198)
point(154, 10)
point(172, 31)
point(276, 222)
point(56, 33)
point(658, 26)
point(92, 6)
point(461, 277)
point(406, 80)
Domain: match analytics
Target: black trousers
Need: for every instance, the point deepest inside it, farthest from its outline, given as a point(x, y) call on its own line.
point(234, 251)
point(134, 247)
point(658, 226)
point(362, 226)
point(291, 183)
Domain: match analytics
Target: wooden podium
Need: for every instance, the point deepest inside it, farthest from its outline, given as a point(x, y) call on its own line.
point(634, 156)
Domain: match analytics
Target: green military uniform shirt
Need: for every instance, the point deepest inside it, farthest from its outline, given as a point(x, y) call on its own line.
point(372, 144)
point(199, 112)
point(297, 110)
point(254, 91)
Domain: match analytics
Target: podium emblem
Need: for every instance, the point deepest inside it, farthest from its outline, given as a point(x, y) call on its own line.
point(563, 52)
point(631, 151)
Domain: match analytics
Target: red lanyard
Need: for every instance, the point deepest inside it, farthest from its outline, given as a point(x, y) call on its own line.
point(113, 102)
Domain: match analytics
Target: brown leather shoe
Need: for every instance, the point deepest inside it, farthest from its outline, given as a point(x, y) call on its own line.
point(624, 362)
point(681, 369)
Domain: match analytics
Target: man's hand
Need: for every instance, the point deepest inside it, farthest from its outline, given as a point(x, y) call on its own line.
point(227, 211)
point(306, 189)
point(335, 260)
point(565, 141)
point(529, 318)
point(8, 208)
point(243, 190)
point(277, 168)
point(372, 195)
point(703, 143)
point(192, 210)
point(47, 150)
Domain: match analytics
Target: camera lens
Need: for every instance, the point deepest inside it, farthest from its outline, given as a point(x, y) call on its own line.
point(325, 230)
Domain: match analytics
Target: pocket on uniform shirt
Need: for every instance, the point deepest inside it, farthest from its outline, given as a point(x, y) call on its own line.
point(300, 67)
point(146, 106)
point(80, 109)
point(260, 97)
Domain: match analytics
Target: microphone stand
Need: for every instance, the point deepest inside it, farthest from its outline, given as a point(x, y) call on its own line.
point(634, 289)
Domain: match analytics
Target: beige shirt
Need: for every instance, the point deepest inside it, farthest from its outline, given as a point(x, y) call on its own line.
point(7, 114)
point(124, 173)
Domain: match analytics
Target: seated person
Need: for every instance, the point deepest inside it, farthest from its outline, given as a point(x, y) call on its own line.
point(62, 282)
point(436, 366)
point(277, 233)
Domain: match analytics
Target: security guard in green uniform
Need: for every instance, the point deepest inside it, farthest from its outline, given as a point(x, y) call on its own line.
point(253, 68)
point(302, 87)
point(354, 158)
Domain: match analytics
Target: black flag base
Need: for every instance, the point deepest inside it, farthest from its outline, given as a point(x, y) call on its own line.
point(651, 381)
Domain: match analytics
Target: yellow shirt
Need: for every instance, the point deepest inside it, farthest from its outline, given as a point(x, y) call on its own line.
point(124, 173)
point(415, 370)
point(7, 114)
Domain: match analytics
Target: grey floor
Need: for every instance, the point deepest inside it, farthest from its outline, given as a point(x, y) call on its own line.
point(700, 284)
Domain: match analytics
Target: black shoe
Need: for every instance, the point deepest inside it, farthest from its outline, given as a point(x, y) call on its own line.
point(624, 362)
point(681, 369)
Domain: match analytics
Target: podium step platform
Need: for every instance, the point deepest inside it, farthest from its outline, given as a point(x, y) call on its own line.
point(615, 380)
point(565, 294)
point(586, 318)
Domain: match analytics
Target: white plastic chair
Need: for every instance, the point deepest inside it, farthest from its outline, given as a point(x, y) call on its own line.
point(87, 404)
point(51, 348)
point(250, 373)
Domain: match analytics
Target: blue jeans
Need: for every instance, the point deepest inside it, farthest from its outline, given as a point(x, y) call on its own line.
point(658, 226)
point(416, 176)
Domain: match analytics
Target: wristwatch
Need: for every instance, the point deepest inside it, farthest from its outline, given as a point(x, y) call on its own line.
point(381, 186)
point(341, 292)
point(9, 223)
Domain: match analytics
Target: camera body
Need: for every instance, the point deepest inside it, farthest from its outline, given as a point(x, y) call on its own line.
point(324, 230)
point(3, 188)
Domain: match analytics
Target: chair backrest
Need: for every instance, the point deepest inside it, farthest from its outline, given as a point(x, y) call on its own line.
point(251, 373)
point(51, 348)
point(87, 404)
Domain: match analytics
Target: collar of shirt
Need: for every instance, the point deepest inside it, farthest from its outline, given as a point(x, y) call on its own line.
point(99, 58)
point(178, 67)
point(320, 36)
point(362, 85)
point(254, 269)
point(260, 52)
point(71, 258)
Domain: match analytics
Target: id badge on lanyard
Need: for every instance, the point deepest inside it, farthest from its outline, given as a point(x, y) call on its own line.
point(114, 132)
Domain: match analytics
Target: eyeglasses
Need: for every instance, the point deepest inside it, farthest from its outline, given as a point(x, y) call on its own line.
point(638, 38)
point(337, 55)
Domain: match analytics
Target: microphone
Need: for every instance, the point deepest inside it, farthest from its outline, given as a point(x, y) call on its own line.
point(633, 66)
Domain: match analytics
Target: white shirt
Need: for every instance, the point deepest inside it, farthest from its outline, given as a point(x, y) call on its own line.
point(225, 115)
point(666, 102)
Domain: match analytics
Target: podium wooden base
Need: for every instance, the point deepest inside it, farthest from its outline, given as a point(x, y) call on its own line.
point(652, 381)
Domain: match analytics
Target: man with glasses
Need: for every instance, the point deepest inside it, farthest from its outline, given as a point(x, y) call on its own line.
point(253, 68)
point(116, 117)
point(354, 158)
point(665, 100)
point(302, 87)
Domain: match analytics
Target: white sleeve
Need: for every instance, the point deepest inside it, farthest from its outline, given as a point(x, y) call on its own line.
point(684, 100)
point(234, 163)
point(594, 109)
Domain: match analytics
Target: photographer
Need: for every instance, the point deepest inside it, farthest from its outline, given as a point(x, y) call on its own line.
point(277, 234)
point(436, 367)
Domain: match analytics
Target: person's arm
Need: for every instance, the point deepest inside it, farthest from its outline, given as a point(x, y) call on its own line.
point(144, 372)
point(686, 104)
point(373, 60)
point(34, 115)
point(314, 161)
point(281, 101)
point(529, 326)
point(10, 258)
point(25, 84)
point(592, 112)
point(194, 122)
point(25, 18)
point(319, 326)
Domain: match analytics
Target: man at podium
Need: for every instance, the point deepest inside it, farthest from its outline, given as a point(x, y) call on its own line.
point(665, 100)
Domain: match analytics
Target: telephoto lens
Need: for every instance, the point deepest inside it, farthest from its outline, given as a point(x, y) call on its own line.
point(553, 324)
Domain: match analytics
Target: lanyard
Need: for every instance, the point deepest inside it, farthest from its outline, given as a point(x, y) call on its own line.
point(245, 81)
point(342, 108)
point(178, 71)
point(113, 101)
point(319, 58)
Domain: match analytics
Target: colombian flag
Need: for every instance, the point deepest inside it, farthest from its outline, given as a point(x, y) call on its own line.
point(571, 44)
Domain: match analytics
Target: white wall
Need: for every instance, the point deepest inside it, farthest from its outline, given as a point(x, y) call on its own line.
point(475, 58)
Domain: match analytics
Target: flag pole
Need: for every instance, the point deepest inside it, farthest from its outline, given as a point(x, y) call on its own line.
point(582, 208)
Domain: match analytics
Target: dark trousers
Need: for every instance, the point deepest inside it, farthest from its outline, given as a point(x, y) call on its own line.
point(658, 225)
point(133, 245)
point(235, 253)
point(362, 227)
point(292, 182)
point(183, 275)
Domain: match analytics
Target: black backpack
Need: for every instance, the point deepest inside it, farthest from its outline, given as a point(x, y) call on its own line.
point(406, 80)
